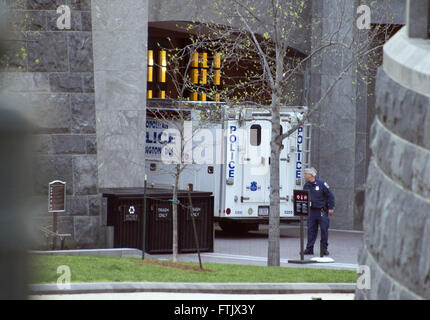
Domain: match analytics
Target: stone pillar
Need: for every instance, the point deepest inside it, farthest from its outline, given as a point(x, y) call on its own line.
point(334, 136)
point(120, 31)
point(340, 136)
point(397, 212)
point(418, 18)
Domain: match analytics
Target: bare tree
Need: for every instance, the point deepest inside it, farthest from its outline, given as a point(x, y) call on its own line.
point(271, 45)
point(187, 119)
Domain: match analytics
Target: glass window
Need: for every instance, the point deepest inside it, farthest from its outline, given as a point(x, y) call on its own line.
point(255, 135)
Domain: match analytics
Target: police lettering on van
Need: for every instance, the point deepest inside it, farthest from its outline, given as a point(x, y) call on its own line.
point(232, 142)
point(156, 138)
point(299, 153)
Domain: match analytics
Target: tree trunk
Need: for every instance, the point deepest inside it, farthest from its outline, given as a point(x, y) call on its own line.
point(175, 216)
point(274, 252)
point(274, 258)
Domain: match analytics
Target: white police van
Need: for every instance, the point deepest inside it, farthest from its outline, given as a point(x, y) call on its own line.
point(239, 175)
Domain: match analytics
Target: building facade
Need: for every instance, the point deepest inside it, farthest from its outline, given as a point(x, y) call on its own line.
point(86, 88)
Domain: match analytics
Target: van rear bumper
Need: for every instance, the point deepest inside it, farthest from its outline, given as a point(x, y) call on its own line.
point(255, 220)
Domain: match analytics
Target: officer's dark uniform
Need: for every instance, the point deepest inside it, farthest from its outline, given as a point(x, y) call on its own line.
point(322, 199)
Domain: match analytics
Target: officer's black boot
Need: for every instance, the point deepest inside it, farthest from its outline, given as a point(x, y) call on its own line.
point(323, 249)
point(308, 251)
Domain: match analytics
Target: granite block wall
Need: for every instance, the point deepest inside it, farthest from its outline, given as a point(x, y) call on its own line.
point(85, 90)
point(49, 75)
point(397, 220)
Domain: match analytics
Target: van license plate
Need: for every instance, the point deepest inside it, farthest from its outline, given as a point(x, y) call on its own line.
point(263, 211)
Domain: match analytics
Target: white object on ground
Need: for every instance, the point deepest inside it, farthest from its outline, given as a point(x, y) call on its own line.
point(323, 259)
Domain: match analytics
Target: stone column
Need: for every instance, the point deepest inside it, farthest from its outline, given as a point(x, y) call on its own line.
point(120, 31)
point(334, 125)
point(418, 16)
point(397, 211)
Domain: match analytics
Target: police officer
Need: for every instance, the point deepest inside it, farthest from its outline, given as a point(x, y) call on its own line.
point(322, 206)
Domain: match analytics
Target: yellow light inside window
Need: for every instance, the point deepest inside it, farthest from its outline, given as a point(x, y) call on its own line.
point(204, 76)
point(217, 97)
point(162, 74)
point(203, 97)
point(217, 77)
point(162, 69)
point(195, 60)
point(194, 96)
point(162, 60)
point(149, 94)
point(195, 75)
point(150, 57)
point(162, 94)
point(204, 60)
point(150, 74)
point(217, 60)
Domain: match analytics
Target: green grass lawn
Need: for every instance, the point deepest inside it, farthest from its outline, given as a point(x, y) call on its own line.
point(101, 269)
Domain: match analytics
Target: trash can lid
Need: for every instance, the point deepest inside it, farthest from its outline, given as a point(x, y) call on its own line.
point(139, 192)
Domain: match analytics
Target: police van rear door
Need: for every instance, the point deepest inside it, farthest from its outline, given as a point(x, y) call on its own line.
point(255, 173)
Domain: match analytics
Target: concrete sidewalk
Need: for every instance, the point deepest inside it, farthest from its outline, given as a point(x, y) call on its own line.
point(161, 296)
point(183, 287)
point(115, 252)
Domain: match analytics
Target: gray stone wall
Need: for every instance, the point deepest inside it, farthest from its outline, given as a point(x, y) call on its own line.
point(397, 220)
point(88, 137)
point(51, 80)
point(387, 11)
point(207, 11)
